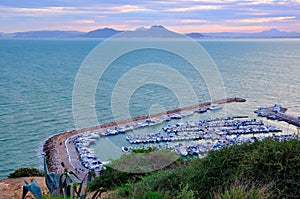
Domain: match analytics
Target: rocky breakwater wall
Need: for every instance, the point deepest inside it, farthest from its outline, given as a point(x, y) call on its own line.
point(52, 158)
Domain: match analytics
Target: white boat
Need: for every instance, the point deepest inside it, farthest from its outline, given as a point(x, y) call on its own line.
point(183, 151)
point(215, 106)
point(176, 116)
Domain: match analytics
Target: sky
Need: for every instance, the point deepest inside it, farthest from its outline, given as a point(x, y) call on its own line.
point(183, 16)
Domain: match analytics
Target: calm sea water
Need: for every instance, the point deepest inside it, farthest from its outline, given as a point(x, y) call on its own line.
point(37, 77)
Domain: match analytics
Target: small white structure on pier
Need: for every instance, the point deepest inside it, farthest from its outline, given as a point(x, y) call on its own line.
point(276, 108)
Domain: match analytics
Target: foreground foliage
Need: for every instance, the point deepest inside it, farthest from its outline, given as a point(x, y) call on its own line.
point(61, 186)
point(141, 161)
point(267, 169)
point(26, 172)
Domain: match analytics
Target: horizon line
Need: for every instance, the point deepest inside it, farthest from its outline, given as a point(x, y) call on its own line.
point(133, 29)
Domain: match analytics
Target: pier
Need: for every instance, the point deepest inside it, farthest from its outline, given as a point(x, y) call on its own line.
point(277, 112)
point(175, 111)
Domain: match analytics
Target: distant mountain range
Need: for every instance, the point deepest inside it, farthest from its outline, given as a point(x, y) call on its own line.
point(44, 34)
point(153, 31)
point(272, 33)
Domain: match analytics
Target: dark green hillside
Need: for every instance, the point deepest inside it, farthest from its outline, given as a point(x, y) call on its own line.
point(267, 169)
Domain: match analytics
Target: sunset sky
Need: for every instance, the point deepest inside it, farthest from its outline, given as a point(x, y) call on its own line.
point(183, 16)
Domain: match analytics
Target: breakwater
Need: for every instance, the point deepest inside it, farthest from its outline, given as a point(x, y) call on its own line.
point(56, 151)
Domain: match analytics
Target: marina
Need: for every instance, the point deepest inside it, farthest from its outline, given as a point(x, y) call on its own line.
point(178, 133)
point(195, 138)
point(60, 148)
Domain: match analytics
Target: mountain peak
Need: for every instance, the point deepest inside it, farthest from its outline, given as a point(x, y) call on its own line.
point(102, 33)
point(273, 30)
point(155, 31)
point(106, 28)
point(141, 29)
point(157, 26)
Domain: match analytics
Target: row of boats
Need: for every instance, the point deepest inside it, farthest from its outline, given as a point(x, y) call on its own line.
point(155, 121)
point(202, 125)
point(203, 129)
point(202, 149)
point(193, 136)
point(87, 156)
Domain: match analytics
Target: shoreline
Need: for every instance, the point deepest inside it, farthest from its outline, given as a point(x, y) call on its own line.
point(56, 147)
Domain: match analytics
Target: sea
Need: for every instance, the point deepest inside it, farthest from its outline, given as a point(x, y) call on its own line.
point(37, 82)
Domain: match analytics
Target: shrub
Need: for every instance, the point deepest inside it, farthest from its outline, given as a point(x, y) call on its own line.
point(115, 174)
point(111, 178)
point(186, 192)
point(245, 191)
point(25, 172)
point(125, 190)
point(153, 195)
point(144, 150)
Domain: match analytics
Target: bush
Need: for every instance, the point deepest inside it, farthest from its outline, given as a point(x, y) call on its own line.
point(144, 150)
point(245, 191)
point(25, 172)
point(111, 178)
point(143, 161)
point(125, 190)
point(153, 195)
point(115, 174)
point(186, 193)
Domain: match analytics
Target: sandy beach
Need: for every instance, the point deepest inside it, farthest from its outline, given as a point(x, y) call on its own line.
point(59, 148)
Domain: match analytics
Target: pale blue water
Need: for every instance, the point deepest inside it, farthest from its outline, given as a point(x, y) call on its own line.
point(37, 76)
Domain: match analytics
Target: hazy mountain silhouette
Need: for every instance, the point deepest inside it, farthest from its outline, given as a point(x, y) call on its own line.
point(45, 34)
point(156, 31)
point(272, 33)
point(195, 35)
point(102, 33)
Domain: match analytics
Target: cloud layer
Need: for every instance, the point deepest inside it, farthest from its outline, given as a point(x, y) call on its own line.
point(179, 15)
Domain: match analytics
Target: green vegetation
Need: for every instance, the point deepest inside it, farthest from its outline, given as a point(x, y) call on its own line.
point(244, 192)
point(111, 178)
point(145, 161)
point(26, 172)
point(267, 169)
point(141, 161)
point(144, 150)
point(61, 186)
point(48, 197)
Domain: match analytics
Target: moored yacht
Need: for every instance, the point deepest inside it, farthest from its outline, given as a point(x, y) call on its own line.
point(215, 106)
